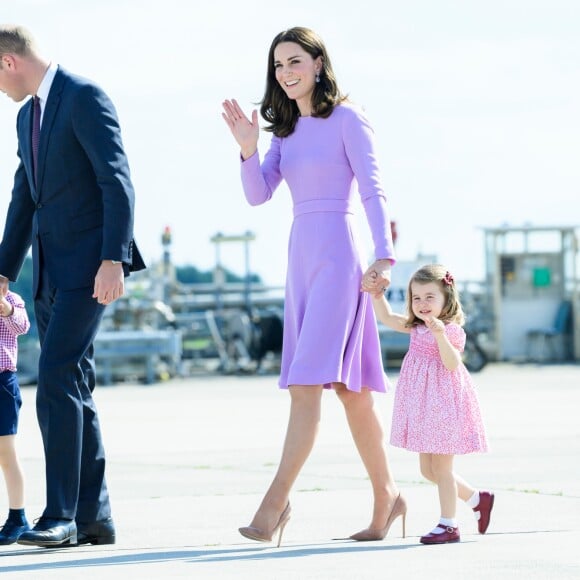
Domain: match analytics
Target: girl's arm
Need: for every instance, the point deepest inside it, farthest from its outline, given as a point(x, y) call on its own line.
point(450, 356)
point(386, 315)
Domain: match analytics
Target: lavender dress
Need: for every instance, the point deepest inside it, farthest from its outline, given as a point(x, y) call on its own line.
point(330, 331)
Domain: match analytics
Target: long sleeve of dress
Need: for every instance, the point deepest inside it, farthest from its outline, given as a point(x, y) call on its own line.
point(261, 180)
point(358, 137)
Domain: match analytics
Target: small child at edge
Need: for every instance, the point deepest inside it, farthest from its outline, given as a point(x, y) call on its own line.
point(13, 322)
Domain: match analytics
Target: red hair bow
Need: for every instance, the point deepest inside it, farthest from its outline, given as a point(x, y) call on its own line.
point(448, 278)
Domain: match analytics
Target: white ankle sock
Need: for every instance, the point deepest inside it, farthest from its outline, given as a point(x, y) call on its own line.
point(443, 524)
point(473, 501)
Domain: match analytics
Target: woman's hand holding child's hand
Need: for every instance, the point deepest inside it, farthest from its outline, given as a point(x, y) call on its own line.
point(375, 284)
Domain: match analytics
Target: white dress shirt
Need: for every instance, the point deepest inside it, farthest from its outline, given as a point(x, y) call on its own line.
point(44, 88)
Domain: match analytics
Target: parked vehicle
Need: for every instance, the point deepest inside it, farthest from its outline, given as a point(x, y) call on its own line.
point(474, 356)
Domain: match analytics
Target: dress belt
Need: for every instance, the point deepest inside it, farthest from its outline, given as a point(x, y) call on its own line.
point(314, 205)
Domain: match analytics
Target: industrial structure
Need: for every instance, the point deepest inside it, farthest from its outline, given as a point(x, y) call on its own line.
point(527, 309)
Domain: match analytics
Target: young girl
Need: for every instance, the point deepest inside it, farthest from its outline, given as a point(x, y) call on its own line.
point(13, 322)
point(436, 411)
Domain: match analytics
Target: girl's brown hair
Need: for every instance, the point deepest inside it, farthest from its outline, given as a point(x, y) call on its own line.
point(452, 311)
point(276, 108)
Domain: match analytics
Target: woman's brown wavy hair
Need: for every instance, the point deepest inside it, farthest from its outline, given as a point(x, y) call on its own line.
point(276, 108)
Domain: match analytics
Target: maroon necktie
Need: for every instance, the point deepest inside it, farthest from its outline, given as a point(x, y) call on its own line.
point(35, 132)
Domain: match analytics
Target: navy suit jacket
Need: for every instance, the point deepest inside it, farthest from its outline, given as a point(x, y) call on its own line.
point(79, 210)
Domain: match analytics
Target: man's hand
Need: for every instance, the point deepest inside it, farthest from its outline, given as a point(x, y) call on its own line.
point(109, 282)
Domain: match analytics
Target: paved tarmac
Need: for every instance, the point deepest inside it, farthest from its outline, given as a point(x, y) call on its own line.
point(189, 459)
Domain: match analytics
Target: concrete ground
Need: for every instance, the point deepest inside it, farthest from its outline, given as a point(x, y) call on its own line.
point(189, 459)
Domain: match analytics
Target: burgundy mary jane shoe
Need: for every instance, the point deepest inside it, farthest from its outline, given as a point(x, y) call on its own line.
point(484, 508)
point(448, 536)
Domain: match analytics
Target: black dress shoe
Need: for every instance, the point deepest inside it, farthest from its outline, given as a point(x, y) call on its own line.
point(99, 532)
point(49, 533)
point(10, 532)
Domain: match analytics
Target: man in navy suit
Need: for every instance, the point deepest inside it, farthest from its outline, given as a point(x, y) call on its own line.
point(73, 203)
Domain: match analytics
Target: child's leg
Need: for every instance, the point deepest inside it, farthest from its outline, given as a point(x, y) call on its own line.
point(16, 524)
point(442, 469)
point(464, 490)
point(481, 502)
point(12, 471)
point(439, 469)
point(425, 460)
point(10, 402)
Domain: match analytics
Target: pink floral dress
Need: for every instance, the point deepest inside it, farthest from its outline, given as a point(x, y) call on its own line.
point(436, 410)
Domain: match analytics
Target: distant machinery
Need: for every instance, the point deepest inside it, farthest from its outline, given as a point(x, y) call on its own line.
point(532, 276)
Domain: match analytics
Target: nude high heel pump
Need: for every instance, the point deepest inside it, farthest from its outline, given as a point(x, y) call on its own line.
point(370, 535)
point(266, 535)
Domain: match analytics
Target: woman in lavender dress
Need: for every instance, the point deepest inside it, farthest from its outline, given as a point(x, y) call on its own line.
point(320, 145)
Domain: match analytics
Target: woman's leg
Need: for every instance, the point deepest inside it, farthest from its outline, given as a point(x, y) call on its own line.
point(368, 435)
point(12, 471)
point(300, 436)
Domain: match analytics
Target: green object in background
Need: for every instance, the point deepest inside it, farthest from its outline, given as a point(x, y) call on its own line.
point(542, 277)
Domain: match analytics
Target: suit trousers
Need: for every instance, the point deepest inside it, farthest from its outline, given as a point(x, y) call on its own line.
point(74, 454)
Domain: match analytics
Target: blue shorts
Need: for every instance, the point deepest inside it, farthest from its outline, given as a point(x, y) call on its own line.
point(10, 403)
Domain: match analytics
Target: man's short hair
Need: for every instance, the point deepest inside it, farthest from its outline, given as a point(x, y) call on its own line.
point(15, 40)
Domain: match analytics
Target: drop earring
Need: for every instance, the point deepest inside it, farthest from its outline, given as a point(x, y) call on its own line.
point(317, 77)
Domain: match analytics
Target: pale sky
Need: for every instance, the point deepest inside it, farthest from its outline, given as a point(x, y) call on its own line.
point(475, 106)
